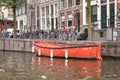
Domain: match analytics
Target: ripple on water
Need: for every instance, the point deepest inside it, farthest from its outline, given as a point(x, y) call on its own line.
point(2, 70)
point(19, 66)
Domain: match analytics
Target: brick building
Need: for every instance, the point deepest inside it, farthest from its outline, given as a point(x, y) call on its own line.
point(49, 14)
point(70, 13)
point(31, 14)
point(118, 13)
point(56, 14)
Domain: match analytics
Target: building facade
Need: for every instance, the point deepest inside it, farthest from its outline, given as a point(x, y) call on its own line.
point(118, 19)
point(107, 19)
point(109, 8)
point(6, 13)
point(70, 14)
point(103, 14)
point(6, 18)
point(49, 14)
point(57, 14)
point(118, 13)
point(33, 15)
point(21, 18)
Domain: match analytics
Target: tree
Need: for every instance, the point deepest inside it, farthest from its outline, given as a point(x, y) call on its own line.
point(89, 20)
point(14, 5)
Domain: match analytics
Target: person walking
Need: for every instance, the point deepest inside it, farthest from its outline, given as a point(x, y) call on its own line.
point(76, 32)
point(64, 33)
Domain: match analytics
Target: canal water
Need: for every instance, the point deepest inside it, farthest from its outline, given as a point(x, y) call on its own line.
point(27, 66)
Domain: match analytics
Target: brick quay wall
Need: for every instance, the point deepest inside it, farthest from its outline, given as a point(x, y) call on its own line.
point(109, 48)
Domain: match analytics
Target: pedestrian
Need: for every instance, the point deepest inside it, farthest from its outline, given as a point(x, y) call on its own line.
point(64, 33)
point(76, 32)
point(17, 34)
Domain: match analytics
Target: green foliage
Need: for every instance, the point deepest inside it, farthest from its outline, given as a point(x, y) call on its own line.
point(82, 36)
point(12, 3)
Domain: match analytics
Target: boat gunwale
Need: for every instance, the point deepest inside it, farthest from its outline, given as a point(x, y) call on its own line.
point(65, 47)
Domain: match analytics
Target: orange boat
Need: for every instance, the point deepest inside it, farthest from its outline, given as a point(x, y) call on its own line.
point(88, 51)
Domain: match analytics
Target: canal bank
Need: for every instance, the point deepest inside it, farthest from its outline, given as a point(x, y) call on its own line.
point(14, 44)
point(109, 48)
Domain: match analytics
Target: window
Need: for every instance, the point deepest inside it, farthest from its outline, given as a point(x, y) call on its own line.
point(43, 22)
point(10, 13)
point(2, 15)
point(69, 3)
point(118, 10)
point(38, 23)
point(103, 16)
point(47, 22)
point(77, 2)
point(38, 16)
point(52, 11)
point(23, 10)
point(118, 18)
point(47, 17)
point(62, 4)
point(55, 9)
point(52, 23)
point(38, 11)
point(111, 0)
point(112, 15)
point(62, 24)
point(103, 1)
point(32, 1)
point(43, 17)
point(69, 23)
point(70, 20)
point(42, 1)
point(56, 23)
point(21, 24)
point(94, 13)
point(37, 0)
point(43, 12)
point(47, 10)
point(101, 34)
point(62, 21)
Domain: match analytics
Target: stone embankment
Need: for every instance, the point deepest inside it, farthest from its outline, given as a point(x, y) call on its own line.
point(109, 48)
point(13, 44)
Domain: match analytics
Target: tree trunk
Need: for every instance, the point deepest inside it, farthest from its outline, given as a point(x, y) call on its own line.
point(14, 18)
point(89, 20)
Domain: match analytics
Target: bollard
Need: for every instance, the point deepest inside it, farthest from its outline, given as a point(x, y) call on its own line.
point(51, 53)
point(66, 54)
point(66, 63)
point(39, 52)
point(33, 49)
point(51, 61)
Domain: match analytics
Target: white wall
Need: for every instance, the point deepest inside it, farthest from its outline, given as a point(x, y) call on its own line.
point(23, 18)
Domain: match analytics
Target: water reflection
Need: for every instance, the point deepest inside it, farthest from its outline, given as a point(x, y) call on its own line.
point(69, 67)
point(27, 66)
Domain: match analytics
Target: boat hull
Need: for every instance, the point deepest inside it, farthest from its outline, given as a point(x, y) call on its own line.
point(57, 50)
